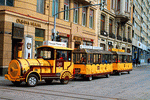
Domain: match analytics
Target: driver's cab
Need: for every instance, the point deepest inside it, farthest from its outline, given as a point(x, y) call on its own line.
point(58, 57)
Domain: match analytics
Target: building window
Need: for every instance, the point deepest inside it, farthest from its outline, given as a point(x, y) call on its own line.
point(102, 45)
point(118, 5)
point(88, 43)
point(127, 5)
point(128, 32)
point(112, 4)
point(110, 26)
point(102, 22)
point(118, 30)
point(91, 19)
point(40, 6)
point(75, 16)
point(66, 13)
point(7, 2)
point(39, 37)
point(53, 10)
point(84, 16)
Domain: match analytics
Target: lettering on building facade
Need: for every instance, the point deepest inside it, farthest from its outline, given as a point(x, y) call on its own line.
point(28, 23)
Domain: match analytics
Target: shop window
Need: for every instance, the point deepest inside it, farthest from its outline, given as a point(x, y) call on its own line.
point(102, 22)
point(7, 2)
point(75, 17)
point(84, 16)
point(66, 13)
point(40, 6)
point(91, 18)
point(57, 6)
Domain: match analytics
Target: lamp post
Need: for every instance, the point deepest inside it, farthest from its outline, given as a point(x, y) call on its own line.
point(55, 14)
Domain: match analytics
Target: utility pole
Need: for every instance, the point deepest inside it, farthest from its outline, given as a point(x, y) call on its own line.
point(55, 14)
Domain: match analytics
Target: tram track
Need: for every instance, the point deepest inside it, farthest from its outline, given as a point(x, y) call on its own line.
point(58, 93)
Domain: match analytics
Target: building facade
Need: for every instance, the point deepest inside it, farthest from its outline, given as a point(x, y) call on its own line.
point(32, 21)
point(115, 25)
point(141, 30)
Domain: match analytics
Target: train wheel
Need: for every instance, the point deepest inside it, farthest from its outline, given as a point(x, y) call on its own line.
point(128, 72)
point(90, 78)
point(62, 81)
point(16, 83)
point(32, 80)
point(48, 81)
point(108, 75)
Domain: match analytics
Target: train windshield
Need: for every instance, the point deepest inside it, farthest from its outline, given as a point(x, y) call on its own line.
point(45, 53)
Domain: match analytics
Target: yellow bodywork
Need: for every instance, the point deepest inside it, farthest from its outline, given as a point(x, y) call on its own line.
point(93, 69)
point(122, 66)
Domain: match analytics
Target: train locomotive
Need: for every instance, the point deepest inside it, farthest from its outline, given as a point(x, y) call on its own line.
point(53, 62)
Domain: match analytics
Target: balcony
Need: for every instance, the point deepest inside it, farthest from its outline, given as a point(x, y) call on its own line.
point(124, 39)
point(129, 40)
point(104, 33)
point(119, 37)
point(112, 35)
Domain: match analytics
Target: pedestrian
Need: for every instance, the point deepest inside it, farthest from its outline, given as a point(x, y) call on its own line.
point(133, 60)
point(137, 62)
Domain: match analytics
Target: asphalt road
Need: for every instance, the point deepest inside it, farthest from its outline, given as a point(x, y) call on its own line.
point(133, 86)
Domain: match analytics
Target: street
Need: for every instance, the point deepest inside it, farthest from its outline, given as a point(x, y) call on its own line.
point(133, 86)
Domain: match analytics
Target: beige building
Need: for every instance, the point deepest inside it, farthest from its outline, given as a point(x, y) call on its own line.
point(141, 30)
point(115, 25)
point(32, 21)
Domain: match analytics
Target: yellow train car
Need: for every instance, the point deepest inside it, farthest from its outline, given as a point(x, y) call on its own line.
point(89, 63)
point(122, 62)
point(53, 62)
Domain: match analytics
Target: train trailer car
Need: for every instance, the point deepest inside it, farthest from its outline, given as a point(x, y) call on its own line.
point(89, 63)
point(122, 61)
point(53, 62)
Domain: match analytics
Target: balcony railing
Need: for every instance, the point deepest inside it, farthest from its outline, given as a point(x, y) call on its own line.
point(104, 33)
point(112, 35)
point(119, 37)
point(129, 40)
point(125, 39)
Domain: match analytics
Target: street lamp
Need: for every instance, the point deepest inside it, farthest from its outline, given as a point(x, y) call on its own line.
point(55, 14)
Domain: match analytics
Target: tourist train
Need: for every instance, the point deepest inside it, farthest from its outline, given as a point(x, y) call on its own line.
point(54, 61)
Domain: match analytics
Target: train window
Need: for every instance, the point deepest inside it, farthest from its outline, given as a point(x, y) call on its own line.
point(114, 59)
point(79, 58)
point(124, 58)
point(99, 59)
point(63, 55)
point(45, 53)
point(119, 58)
point(105, 59)
point(90, 58)
point(95, 58)
point(129, 59)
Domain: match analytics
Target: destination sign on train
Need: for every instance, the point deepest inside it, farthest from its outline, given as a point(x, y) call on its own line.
point(53, 43)
point(90, 47)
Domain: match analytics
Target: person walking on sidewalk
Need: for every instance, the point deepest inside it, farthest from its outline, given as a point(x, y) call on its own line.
point(137, 62)
point(133, 60)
